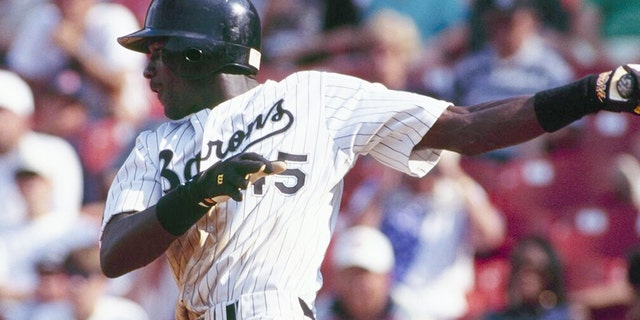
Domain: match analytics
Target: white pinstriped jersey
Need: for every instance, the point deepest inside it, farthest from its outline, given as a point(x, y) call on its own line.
point(275, 239)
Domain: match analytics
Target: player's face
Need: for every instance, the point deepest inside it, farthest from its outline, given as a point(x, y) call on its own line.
point(179, 97)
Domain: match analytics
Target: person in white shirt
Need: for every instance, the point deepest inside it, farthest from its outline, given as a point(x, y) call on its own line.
point(19, 141)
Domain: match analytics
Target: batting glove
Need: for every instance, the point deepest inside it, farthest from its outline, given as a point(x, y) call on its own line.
point(619, 89)
point(181, 208)
point(226, 179)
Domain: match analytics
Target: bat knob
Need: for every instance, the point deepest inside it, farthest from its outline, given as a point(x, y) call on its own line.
point(626, 86)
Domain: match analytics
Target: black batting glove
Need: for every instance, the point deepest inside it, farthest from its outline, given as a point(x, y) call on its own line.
point(226, 179)
point(181, 208)
point(619, 90)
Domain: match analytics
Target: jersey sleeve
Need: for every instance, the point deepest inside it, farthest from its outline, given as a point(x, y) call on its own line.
point(368, 118)
point(136, 185)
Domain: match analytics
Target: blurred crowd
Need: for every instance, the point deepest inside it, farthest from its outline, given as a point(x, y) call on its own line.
point(548, 229)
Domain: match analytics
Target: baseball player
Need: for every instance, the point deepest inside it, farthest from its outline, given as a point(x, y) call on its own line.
point(241, 188)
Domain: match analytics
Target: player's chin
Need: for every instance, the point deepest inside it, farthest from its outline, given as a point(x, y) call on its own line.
point(170, 108)
point(173, 114)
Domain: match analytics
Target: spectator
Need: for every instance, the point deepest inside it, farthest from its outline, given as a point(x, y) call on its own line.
point(298, 33)
point(611, 28)
point(433, 18)
point(555, 18)
point(32, 255)
point(86, 81)
point(389, 31)
point(516, 60)
point(82, 55)
point(536, 284)
point(363, 261)
point(442, 29)
point(386, 48)
point(22, 247)
point(437, 224)
point(287, 25)
point(394, 47)
point(62, 114)
point(17, 140)
point(27, 253)
point(12, 14)
point(88, 289)
point(85, 296)
point(50, 299)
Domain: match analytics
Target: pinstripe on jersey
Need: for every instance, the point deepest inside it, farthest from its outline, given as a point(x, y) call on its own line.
point(274, 240)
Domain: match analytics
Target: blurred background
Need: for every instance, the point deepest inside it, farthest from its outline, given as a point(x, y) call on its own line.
point(546, 230)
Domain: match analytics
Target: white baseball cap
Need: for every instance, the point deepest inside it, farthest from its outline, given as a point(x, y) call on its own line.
point(15, 94)
point(364, 247)
point(34, 161)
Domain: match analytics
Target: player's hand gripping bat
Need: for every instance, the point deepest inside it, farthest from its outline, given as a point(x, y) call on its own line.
point(226, 179)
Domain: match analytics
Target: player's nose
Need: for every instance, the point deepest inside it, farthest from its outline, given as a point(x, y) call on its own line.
point(149, 70)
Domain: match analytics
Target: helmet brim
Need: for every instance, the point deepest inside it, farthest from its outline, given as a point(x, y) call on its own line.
point(139, 40)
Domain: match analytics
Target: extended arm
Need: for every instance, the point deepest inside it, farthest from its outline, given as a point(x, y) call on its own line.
point(480, 128)
point(484, 127)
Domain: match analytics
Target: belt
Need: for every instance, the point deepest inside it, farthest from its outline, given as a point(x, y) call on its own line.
point(230, 311)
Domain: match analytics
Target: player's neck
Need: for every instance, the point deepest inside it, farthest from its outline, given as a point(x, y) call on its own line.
point(233, 85)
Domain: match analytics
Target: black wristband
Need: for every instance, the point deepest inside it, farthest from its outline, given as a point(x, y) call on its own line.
point(558, 107)
point(177, 211)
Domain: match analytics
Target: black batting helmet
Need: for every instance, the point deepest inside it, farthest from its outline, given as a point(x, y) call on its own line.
point(202, 36)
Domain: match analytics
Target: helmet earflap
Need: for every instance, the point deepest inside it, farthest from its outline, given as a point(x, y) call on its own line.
point(190, 58)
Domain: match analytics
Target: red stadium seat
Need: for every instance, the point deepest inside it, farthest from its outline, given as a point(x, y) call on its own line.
point(591, 240)
point(489, 292)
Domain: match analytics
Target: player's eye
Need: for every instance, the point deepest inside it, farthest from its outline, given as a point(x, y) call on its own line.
point(156, 47)
point(154, 54)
